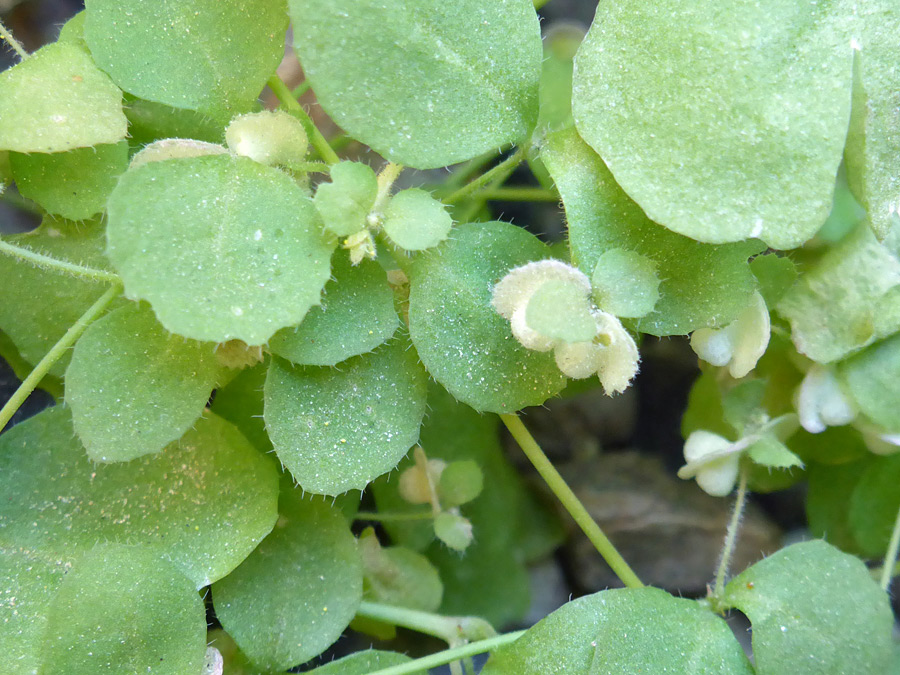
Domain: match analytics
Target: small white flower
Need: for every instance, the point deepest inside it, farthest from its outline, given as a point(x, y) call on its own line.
point(713, 460)
point(740, 344)
point(821, 402)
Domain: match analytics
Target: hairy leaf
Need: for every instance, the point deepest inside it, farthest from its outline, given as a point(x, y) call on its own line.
point(873, 378)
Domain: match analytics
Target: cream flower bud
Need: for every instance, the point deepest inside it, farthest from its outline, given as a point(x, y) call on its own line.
point(270, 138)
point(174, 148)
point(516, 288)
point(821, 402)
point(713, 461)
point(740, 344)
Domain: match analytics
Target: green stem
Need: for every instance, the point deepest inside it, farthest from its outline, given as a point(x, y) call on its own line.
point(301, 89)
point(451, 629)
point(570, 501)
point(45, 261)
point(890, 559)
point(313, 167)
point(320, 143)
point(449, 655)
point(464, 171)
point(55, 353)
point(731, 534)
point(520, 194)
point(503, 169)
point(391, 517)
point(15, 44)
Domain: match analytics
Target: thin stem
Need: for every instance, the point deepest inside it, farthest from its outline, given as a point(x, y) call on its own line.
point(313, 167)
point(386, 178)
point(449, 655)
point(301, 89)
point(503, 169)
point(464, 171)
point(453, 630)
point(15, 44)
point(47, 262)
point(391, 517)
point(320, 143)
point(890, 559)
point(731, 534)
point(571, 502)
point(520, 194)
point(55, 353)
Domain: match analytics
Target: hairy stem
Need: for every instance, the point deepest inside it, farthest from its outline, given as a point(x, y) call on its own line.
point(47, 262)
point(453, 630)
point(520, 194)
point(320, 143)
point(570, 501)
point(449, 655)
point(731, 534)
point(890, 559)
point(386, 178)
point(503, 169)
point(55, 353)
point(15, 44)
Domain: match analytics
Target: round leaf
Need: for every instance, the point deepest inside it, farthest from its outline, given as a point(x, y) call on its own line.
point(345, 202)
point(337, 430)
point(356, 315)
point(363, 663)
point(201, 55)
point(726, 124)
point(560, 310)
point(73, 184)
point(56, 100)
point(122, 609)
point(398, 576)
point(455, 531)
point(642, 630)
point(297, 592)
point(460, 483)
point(59, 502)
point(133, 387)
point(873, 377)
point(624, 283)
point(222, 247)
point(414, 220)
point(874, 505)
point(467, 81)
point(463, 342)
point(814, 610)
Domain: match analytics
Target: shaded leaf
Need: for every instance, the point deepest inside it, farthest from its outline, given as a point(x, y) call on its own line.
point(874, 505)
point(414, 220)
point(873, 377)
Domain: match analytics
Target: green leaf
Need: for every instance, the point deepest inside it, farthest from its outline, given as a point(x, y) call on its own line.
point(707, 121)
point(356, 315)
point(873, 377)
point(241, 403)
point(561, 310)
point(176, 501)
point(133, 387)
point(830, 489)
point(455, 531)
point(700, 285)
point(57, 100)
point(873, 150)
point(770, 452)
point(123, 609)
point(337, 430)
point(846, 301)
point(201, 54)
point(398, 576)
point(345, 202)
point(73, 30)
point(414, 220)
point(463, 342)
point(268, 137)
point(775, 274)
point(149, 121)
point(467, 82)
point(222, 247)
point(625, 283)
point(642, 630)
point(874, 505)
point(814, 610)
point(297, 592)
point(460, 483)
point(73, 184)
point(363, 663)
point(39, 305)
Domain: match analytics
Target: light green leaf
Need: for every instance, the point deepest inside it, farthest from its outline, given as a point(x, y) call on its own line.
point(414, 220)
point(873, 149)
point(455, 531)
point(339, 429)
point(814, 610)
point(73, 184)
point(625, 283)
point(356, 315)
point(39, 305)
point(707, 121)
point(273, 138)
point(846, 301)
point(123, 609)
point(222, 247)
point(561, 310)
point(463, 342)
point(345, 202)
point(830, 489)
point(770, 452)
point(133, 387)
point(467, 82)
point(775, 274)
point(363, 663)
point(873, 377)
point(700, 285)
point(176, 501)
point(642, 630)
point(73, 30)
point(297, 592)
point(398, 576)
point(460, 483)
point(874, 505)
point(57, 100)
point(201, 54)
